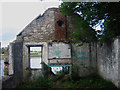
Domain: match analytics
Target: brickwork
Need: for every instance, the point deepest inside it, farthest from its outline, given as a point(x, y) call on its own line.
point(60, 26)
point(48, 27)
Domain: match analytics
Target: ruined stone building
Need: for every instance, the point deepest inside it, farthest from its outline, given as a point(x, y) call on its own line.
point(51, 32)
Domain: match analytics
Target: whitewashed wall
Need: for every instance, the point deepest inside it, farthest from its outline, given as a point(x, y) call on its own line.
point(59, 50)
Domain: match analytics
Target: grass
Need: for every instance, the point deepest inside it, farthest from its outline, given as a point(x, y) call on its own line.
point(39, 83)
point(2, 56)
point(35, 54)
point(63, 81)
point(93, 81)
point(5, 71)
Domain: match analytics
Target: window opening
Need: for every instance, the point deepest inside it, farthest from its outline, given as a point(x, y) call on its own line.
point(35, 57)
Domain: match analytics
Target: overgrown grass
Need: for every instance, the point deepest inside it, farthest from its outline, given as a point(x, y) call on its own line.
point(63, 81)
point(40, 82)
point(93, 81)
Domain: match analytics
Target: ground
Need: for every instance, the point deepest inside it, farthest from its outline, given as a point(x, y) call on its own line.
point(66, 81)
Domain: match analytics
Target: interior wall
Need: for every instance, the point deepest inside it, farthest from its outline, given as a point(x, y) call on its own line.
point(108, 62)
point(84, 58)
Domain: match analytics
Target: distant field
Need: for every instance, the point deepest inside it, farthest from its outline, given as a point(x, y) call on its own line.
point(2, 56)
point(35, 54)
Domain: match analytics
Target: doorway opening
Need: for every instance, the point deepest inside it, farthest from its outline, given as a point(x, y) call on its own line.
point(35, 57)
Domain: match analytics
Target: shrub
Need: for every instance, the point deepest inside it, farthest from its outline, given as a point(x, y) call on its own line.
point(40, 82)
point(75, 74)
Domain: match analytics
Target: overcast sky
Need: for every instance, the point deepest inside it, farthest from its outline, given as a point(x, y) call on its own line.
point(17, 15)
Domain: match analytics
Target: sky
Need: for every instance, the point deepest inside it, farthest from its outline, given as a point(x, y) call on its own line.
point(15, 16)
point(35, 48)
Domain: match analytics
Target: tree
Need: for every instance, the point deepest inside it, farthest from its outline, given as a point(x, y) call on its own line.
point(89, 15)
point(3, 50)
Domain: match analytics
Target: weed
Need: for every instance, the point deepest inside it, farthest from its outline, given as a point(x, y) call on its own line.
point(65, 81)
point(40, 82)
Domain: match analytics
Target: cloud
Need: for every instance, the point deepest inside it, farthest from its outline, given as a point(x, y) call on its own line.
point(7, 37)
point(17, 15)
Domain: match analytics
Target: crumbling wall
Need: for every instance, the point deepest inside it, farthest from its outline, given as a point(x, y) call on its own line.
point(45, 30)
point(29, 73)
point(103, 59)
point(40, 29)
point(11, 62)
point(59, 53)
point(60, 25)
point(108, 61)
point(71, 26)
point(84, 58)
point(6, 61)
point(16, 78)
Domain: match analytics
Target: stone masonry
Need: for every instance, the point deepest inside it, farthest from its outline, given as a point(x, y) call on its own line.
point(52, 32)
point(46, 30)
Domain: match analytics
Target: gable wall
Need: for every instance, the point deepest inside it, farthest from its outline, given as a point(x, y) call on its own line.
point(41, 29)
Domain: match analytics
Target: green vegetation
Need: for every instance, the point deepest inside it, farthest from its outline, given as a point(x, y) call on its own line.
point(93, 81)
point(5, 71)
point(35, 54)
point(88, 15)
point(65, 81)
point(40, 82)
point(2, 56)
point(3, 50)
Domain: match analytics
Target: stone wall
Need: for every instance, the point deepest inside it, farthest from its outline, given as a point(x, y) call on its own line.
point(105, 59)
point(40, 29)
point(59, 54)
point(6, 60)
point(29, 73)
point(50, 26)
point(15, 79)
point(52, 53)
point(44, 31)
point(108, 61)
point(49, 29)
point(71, 25)
point(84, 57)
point(11, 62)
point(60, 26)
point(59, 50)
point(6, 53)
